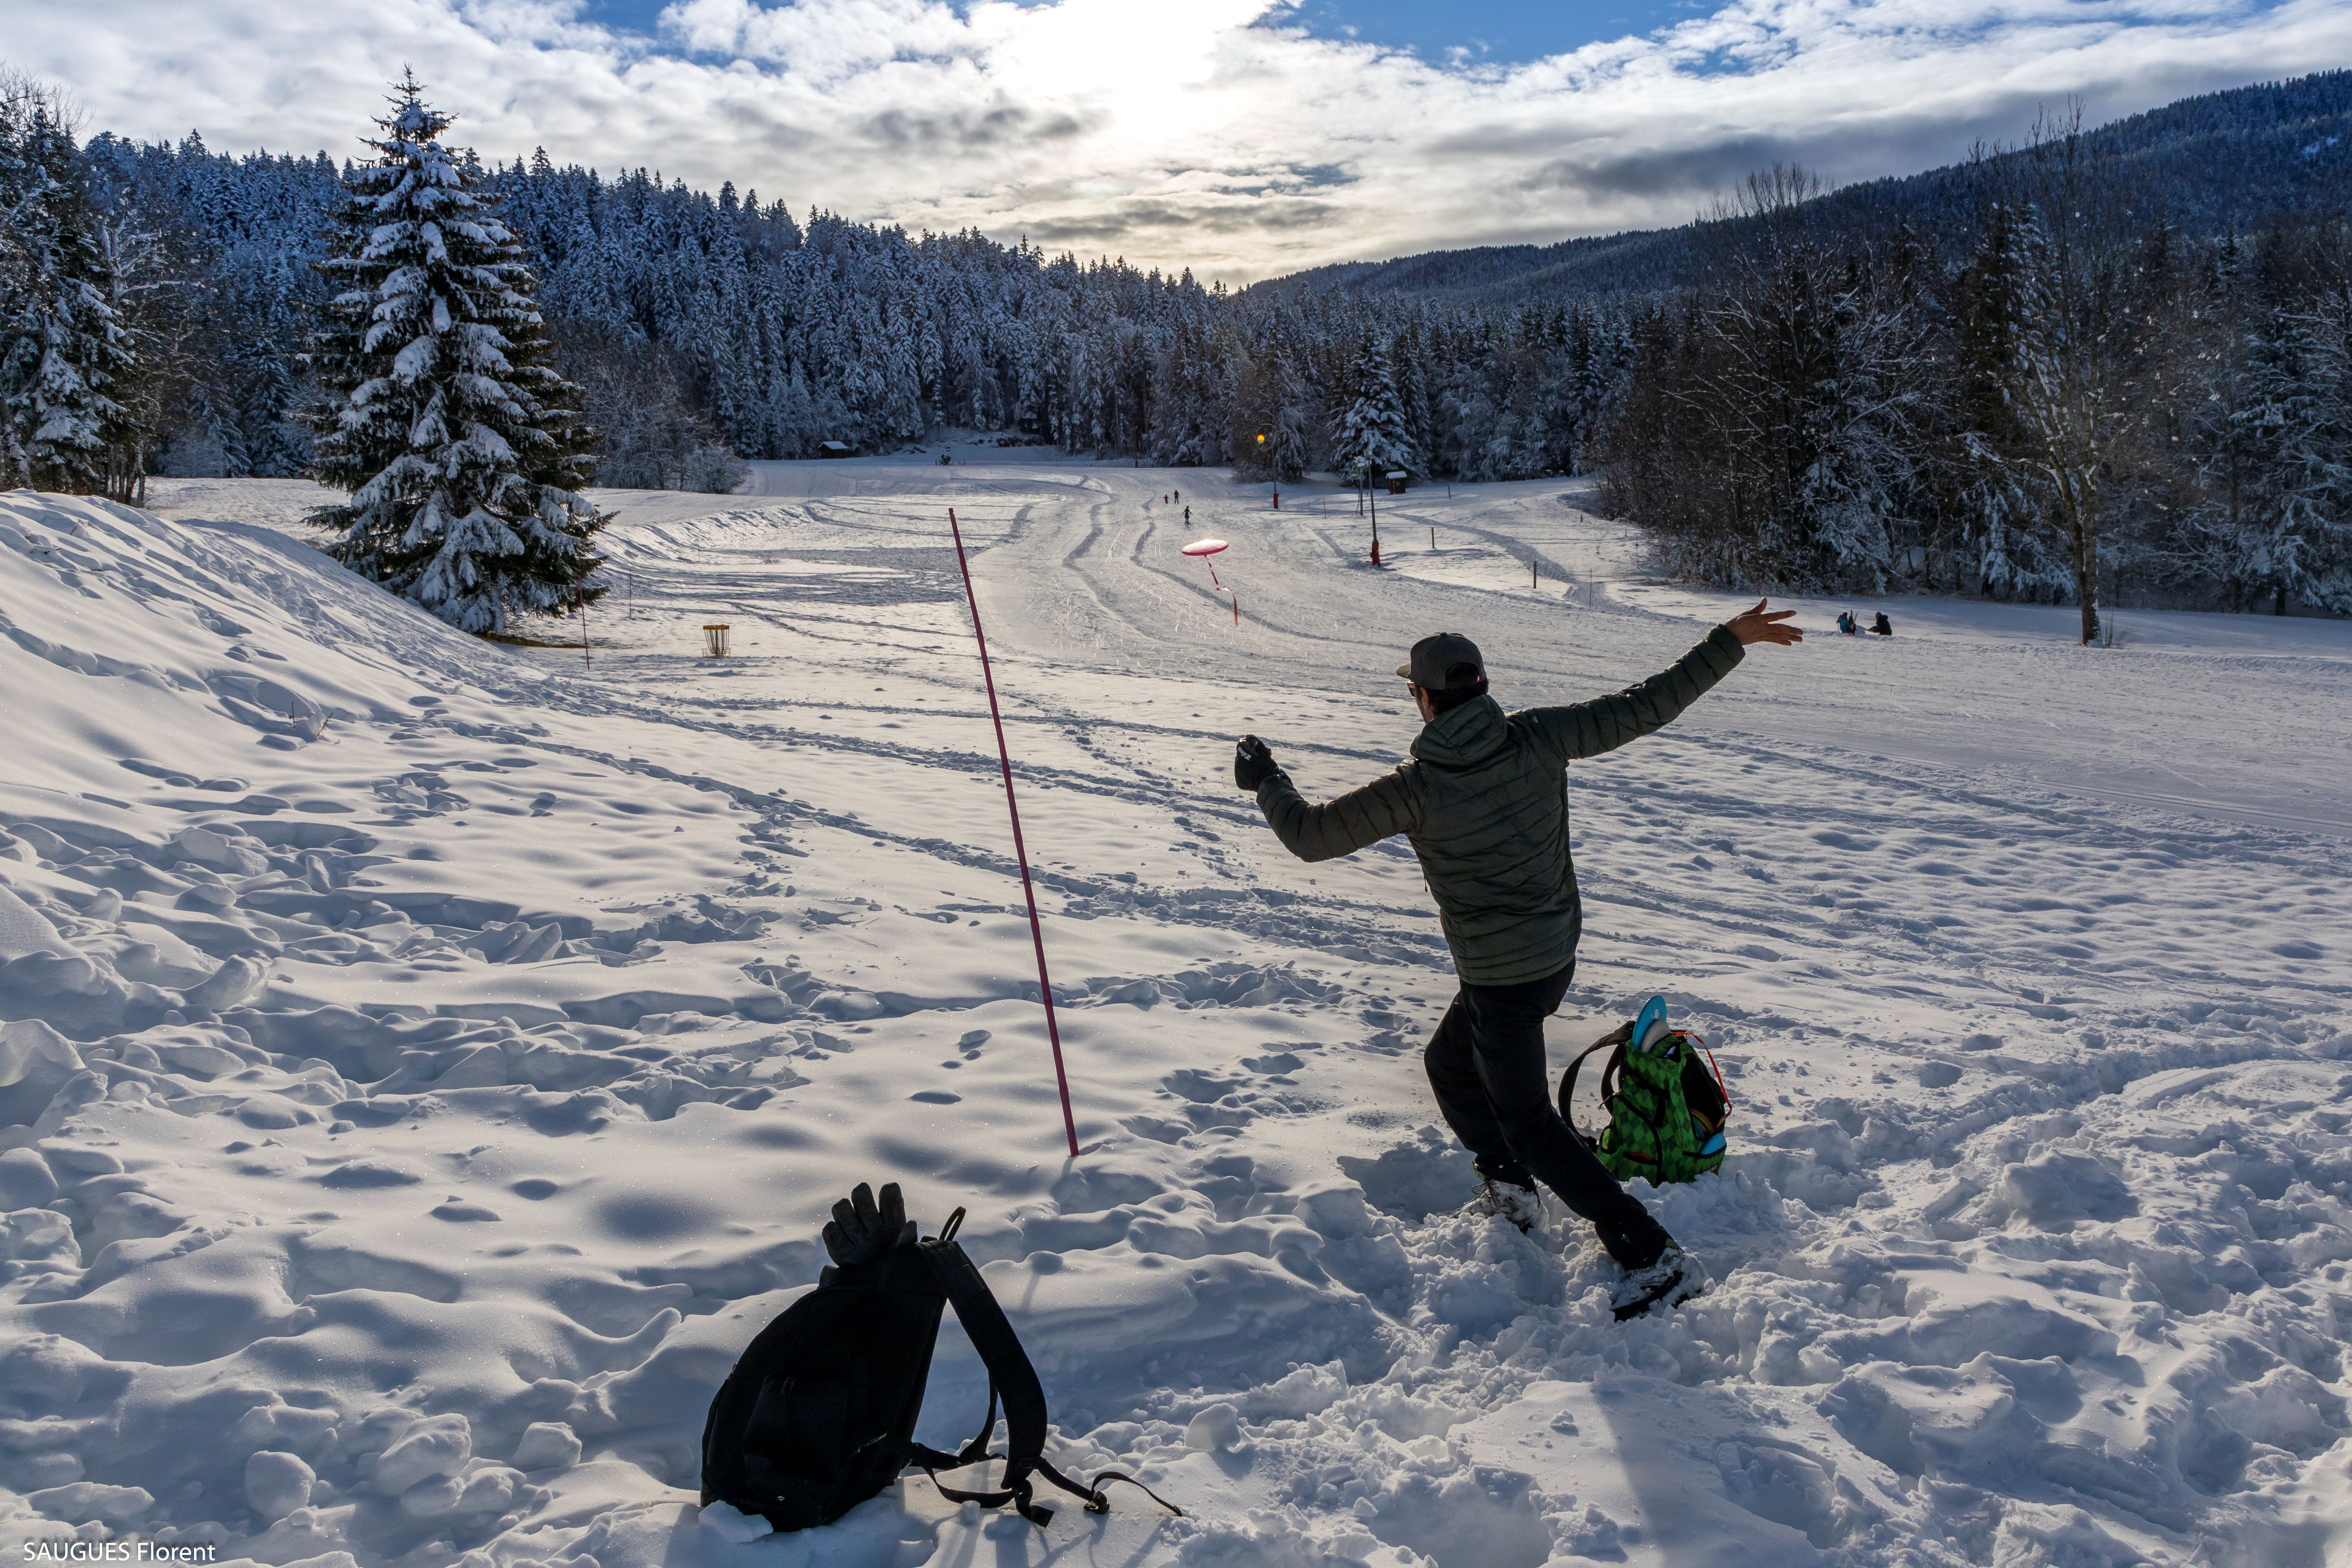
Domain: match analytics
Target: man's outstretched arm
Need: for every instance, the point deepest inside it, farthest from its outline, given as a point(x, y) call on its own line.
point(1605, 724)
point(1354, 821)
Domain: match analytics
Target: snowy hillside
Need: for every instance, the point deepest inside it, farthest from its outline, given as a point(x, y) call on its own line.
point(426, 1063)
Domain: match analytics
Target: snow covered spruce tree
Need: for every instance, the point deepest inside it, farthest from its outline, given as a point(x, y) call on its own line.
point(65, 358)
point(457, 441)
point(1270, 439)
point(1373, 436)
point(2292, 537)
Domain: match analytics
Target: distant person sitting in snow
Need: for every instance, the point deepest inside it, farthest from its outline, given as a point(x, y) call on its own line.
point(1882, 626)
point(1848, 624)
point(1485, 803)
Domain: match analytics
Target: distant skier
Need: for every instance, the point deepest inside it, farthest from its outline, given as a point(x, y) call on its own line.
point(1882, 626)
point(1485, 802)
point(1848, 624)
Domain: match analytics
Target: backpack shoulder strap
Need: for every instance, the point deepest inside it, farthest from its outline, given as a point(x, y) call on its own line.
point(1612, 1076)
point(1568, 1078)
point(1012, 1379)
point(972, 1453)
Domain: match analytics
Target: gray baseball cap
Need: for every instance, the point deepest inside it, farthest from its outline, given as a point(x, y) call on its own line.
point(1437, 663)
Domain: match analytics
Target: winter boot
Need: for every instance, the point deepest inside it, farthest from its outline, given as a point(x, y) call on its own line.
point(1510, 1193)
point(1673, 1279)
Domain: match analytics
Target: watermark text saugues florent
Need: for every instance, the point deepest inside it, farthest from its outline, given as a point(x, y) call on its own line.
point(68, 1550)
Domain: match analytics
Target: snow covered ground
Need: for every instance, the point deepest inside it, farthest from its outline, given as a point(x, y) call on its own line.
point(428, 1062)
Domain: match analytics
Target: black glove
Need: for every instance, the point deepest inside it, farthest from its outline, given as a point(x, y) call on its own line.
point(863, 1234)
point(1253, 763)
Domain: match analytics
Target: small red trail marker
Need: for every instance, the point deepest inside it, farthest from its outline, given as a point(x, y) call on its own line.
point(1020, 851)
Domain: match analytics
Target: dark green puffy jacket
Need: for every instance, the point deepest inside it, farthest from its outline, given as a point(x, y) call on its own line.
point(1484, 800)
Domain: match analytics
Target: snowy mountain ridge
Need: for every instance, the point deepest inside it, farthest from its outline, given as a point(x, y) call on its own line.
point(2235, 160)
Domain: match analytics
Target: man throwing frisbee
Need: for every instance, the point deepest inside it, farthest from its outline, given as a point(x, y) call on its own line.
point(1485, 802)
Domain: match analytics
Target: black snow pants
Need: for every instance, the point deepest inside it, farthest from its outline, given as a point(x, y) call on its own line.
point(1486, 1065)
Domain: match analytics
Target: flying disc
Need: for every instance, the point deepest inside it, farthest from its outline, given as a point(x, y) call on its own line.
point(1205, 547)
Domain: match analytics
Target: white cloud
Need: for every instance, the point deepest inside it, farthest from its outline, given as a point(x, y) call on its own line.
point(1204, 134)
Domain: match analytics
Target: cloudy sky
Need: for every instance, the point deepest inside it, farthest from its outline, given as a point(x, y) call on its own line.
point(1242, 138)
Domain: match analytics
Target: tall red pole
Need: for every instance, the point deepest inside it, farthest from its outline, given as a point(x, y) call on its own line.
point(1020, 853)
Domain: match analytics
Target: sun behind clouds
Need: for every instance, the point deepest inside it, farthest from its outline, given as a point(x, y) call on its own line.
point(1221, 135)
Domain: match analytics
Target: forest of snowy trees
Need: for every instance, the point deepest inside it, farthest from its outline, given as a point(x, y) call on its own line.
point(2054, 389)
point(2080, 405)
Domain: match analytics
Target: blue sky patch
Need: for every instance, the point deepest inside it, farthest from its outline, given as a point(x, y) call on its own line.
point(1498, 32)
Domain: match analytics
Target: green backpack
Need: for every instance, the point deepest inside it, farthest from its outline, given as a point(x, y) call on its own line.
point(1667, 1108)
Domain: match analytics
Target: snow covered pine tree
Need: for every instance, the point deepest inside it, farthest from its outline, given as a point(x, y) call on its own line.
point(457, 441)
point(1273, 404)
point(2295, 535)
point(64, 356)
point(1373, 437)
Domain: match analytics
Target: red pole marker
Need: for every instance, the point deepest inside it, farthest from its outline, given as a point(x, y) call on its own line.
point(1020, 853)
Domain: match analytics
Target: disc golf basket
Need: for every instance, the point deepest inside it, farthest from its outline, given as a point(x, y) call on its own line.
point(714, 641)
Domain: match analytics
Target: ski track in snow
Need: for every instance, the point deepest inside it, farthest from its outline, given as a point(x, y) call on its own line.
point(426, 1063)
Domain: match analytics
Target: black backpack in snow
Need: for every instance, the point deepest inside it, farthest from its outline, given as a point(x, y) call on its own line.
point(819, 1413)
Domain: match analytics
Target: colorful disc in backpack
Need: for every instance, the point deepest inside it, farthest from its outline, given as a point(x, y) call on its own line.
point(1651, 1018)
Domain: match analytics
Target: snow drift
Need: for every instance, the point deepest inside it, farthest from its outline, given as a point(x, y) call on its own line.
point(426, 1064)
